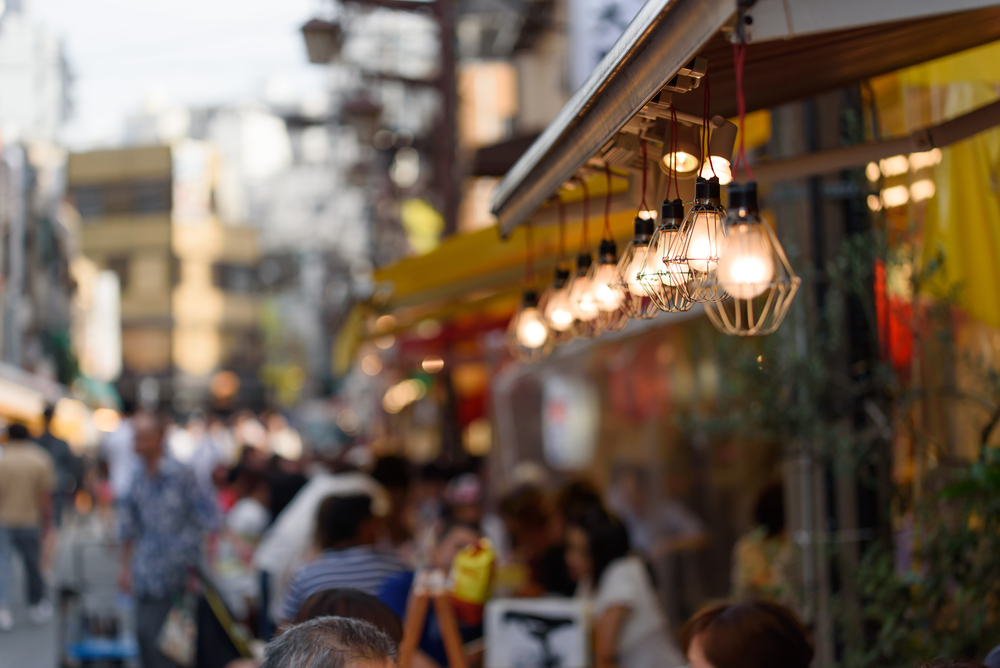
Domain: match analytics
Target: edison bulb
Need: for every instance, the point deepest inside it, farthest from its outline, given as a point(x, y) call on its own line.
point(720, 167)
point(581, 299)
point(746, 269)
point(635, 269)
point(681, 162)
point(531, 331)
point(557, 311)
point(703, 248)
point(606, 297)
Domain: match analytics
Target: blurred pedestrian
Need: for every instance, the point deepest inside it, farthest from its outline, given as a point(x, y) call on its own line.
point(27, 479)
point(164, 519)
point(453, 536)
point(750, 634)
point(346, 531)
point(118, 449)
point(629, 629)
point(331, 642)
point(68, 468)
point(762, 558)
point(353, 604)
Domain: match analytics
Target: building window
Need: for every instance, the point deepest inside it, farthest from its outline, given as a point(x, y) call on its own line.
point(150, 196)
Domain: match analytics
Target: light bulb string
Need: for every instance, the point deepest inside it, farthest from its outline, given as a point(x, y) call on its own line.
point(739, 55)
point(607, 206)
point(706, 150)
point(584, 240)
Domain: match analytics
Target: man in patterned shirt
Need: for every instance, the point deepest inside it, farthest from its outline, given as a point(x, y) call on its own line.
point(164, 519)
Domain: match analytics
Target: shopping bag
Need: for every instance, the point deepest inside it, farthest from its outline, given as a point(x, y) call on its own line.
point(179, 634)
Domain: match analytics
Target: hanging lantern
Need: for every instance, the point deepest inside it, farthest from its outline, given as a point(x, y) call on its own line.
point(581, 299)
point(555, 307)
point(752, 269)
point(662, 274)
point(635, 299)
point(702, 234)
point(682, 158)
point(608, 296)
point(528, 338)
point(718, 162)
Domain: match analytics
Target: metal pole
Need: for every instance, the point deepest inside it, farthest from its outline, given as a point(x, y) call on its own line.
point(13, 156)
point(447, 146)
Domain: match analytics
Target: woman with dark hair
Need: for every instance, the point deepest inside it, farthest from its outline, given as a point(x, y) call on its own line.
point(629, 629)
point(751, 634)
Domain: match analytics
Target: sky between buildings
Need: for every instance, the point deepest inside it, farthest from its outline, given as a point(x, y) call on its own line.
point(127, 54)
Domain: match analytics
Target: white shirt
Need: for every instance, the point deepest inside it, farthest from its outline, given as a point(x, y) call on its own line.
point(119, 450)
point(643, 640)
point(286, 543)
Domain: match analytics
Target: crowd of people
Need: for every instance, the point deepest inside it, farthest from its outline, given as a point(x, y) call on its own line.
point(232, 532)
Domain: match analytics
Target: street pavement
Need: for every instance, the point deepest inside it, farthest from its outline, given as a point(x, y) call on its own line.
point(86, 559)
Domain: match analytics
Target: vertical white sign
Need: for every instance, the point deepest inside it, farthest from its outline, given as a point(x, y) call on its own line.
point(104, 329)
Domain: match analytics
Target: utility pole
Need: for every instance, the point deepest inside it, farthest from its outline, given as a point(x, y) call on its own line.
point(446, 82)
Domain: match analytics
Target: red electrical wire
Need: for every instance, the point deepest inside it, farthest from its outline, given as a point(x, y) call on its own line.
point(642, 199)
point(607, 206)
point(739, 55)
point(707, 141)
point(562, 228)
point(584, 240)
point(529, 256)
point(672, 174)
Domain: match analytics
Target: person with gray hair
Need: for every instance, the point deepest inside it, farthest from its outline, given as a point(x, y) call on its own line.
point(331, 642)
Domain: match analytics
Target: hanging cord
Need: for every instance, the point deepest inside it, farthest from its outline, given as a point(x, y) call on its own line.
point(607, 206)
point(739, 55)
point(642, 199)
point(672, 175)
point(584, 240)
point(706, 150)
point(529, 256)
point(562, 229)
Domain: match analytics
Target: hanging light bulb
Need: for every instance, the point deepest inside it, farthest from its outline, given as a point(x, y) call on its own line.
point(608, 295)
point(720, 151)
point(582, 303)
point(683, 159)
point(753, 269)
point(703, 232)
point(555, 307)
point(528, 338)
point(662, 274)
point(635, 301)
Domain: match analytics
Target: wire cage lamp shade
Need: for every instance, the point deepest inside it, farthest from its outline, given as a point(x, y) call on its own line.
point(661, 275)
point(753, 270)
point(581, 299)
point(635, 299)
point(702, 235)
point(608, 295)
point(555, 307)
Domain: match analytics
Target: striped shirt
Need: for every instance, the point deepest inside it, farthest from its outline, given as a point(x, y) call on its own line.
point(361, 567)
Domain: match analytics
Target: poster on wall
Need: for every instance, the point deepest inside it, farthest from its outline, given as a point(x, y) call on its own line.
point(594, 26)
point(536, 633)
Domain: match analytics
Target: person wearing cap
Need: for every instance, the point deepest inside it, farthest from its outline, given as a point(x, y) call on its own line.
point(346, 531)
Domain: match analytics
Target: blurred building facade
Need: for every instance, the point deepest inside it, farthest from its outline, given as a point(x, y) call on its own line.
point(187, 307)
point(37, 239)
